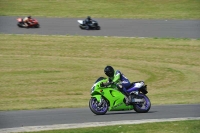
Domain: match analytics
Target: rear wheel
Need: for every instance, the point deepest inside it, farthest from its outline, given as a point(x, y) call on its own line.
point(81, 27)
point(96, 108)
point(20, 25)
point(143, 107)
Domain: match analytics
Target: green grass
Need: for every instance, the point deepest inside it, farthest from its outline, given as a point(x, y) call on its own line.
point(58, 71)
point(191, 126)
point(152, 9)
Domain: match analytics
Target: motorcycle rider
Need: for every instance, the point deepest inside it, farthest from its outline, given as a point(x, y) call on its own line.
point(87, 22)
point(119, 79)
point(27, 21)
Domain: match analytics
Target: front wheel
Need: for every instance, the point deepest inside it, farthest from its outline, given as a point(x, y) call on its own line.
point(98, 28)
point(97, 108)
point(143, 107)
point(37, 26)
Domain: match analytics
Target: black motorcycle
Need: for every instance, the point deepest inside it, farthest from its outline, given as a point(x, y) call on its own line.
point(93, 26)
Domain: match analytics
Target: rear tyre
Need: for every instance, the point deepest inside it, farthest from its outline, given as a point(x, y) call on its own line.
point(80, 26)
point(98, 109)
point(143, 107)
point(20, 25)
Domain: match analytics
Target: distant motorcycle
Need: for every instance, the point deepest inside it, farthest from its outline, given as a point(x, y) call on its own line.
point(34, 23)
point(93, 26)
point(108, 98)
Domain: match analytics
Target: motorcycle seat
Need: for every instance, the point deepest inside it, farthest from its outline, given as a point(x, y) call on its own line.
point(130, 85)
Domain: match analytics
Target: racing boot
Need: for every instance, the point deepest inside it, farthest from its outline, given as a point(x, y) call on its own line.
point(128, 98)
point(25, 25)
point(126, 95)
point(87, 27)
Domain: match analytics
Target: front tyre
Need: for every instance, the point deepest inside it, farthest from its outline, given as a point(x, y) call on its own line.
point(98, 28)
point(96, 108)
point(143, 107)
point(37, 26)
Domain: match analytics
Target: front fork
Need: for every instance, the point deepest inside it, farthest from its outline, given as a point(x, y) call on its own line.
point(99, 99)
point(101, 102)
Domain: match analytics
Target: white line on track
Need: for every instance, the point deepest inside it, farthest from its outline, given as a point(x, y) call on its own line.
point(97, 36)
point(76, 36)
point(90, 124)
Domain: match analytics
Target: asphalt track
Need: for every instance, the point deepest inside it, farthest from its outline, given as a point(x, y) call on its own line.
point(110, 27)
point(10, 119)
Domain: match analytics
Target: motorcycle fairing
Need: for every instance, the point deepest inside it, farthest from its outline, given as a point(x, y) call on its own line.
point(80, 21)
point(115, 98)
point(138, 86)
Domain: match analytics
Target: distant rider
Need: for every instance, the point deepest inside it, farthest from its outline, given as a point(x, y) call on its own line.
point(27, 21)
point(119, 79)
point(88, 21)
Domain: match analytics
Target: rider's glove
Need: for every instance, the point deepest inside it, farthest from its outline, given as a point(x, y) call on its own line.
point(112, 82)
point(102, 85)
point(106, 84)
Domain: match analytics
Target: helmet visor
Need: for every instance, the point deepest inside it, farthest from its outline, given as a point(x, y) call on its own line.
point(109, 74)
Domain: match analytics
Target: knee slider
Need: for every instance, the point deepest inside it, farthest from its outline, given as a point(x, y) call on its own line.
point(119, 86)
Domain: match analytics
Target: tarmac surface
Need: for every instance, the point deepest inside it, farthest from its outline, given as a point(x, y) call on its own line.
point(109, 27)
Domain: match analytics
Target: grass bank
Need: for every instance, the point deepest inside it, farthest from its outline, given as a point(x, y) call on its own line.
point(58, 71)
point(154, 9)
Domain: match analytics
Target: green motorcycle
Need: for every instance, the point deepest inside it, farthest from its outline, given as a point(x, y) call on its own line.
point(108, 98)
